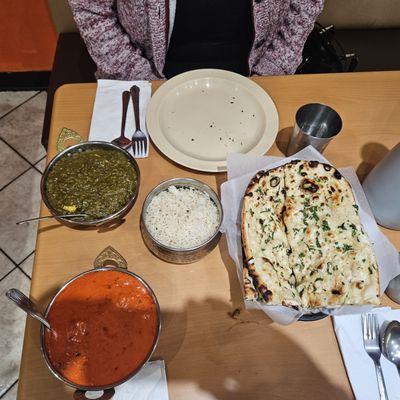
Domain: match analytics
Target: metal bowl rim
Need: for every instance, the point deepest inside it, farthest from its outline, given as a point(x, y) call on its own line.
point(123, 211)
point(155, 342)
point(171, 182)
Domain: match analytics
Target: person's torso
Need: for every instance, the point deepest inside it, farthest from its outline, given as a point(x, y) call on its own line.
point(149, 24)
point(210, 34)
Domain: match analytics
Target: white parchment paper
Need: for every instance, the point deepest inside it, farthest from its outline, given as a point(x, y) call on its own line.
point(241, 169)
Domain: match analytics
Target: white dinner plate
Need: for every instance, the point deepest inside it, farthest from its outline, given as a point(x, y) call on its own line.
point(198, 117)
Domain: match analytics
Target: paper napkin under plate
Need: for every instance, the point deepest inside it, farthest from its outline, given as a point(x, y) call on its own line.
point(359, 366)
point(107, 111)
point(150, 383)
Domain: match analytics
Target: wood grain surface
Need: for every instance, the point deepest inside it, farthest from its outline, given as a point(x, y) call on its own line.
point(208, 353)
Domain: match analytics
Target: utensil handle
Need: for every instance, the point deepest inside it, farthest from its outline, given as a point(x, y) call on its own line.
point(381, 381)
point(107, 394)
point(110, 256)
point(125, 103)
point(135, 92)
point(26, 304)
point(50, 217)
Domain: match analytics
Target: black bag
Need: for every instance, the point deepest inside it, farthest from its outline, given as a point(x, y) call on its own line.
point(322, 53)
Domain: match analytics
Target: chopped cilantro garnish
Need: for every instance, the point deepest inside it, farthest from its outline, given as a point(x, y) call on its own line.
point(363, 260)
point(319, 279)
point(251, 212)
point(317, 242)
point(314, 214)
point(347, 247)
point(342, 227)
point(325, 225)
point(355, 206)
point(302, 255)
point(370, 270)
point(270, 237)
point(354, 230)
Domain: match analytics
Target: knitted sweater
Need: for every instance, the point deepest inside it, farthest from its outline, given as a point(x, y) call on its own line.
point(128, 39)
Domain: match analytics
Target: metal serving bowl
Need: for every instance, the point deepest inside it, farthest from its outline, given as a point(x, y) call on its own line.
point(79, 148)
point(171, 254)
point(107, 257)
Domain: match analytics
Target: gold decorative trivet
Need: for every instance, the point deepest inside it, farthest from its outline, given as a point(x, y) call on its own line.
point(110, 256)
point(65, 136)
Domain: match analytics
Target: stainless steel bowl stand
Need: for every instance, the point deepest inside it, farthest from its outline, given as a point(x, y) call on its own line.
point(103, 221)
point(109, 256)
point(170, 254)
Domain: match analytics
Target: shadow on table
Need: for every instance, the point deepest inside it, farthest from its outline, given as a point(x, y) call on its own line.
point(282, 139)
point(100, 229)
point(371, 154)
point(231, 356)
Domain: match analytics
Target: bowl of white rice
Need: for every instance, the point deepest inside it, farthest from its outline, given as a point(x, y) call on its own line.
point(180, 220)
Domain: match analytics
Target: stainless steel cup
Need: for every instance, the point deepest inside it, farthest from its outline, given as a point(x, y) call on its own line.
point(316, 125)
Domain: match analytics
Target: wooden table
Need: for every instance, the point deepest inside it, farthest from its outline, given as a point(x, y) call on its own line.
point(208, 354)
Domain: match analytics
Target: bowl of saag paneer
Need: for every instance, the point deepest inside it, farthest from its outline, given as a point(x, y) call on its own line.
point(98, 179)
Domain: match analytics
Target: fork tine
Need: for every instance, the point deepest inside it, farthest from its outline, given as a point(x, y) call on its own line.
point(373, 326)
point(140, 148)
point(364, 324)
point(135, 149)
point(143, 148)
point(370, 330)
point(376, 326)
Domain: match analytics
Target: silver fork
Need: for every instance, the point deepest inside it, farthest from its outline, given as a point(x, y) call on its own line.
point(370, 330)
point(139, 138)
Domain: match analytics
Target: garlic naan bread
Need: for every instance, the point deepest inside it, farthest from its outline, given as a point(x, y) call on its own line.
point(304, 245)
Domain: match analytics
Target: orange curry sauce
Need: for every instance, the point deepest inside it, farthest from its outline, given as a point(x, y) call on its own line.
point(105, 324)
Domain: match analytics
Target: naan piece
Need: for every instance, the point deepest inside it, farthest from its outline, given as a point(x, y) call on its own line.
point(329, 258)
point(266, 273)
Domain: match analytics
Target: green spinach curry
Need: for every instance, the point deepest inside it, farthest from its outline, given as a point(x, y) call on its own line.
point(97, 182)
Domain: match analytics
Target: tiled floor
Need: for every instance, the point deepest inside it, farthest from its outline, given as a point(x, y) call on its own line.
point(21, 165)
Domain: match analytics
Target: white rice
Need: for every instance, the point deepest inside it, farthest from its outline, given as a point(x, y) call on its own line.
point(182, 217)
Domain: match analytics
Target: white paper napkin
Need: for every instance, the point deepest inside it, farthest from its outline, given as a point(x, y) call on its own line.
point(150, 383)
point(359, 366)
point(107, 111)
point(241, 168)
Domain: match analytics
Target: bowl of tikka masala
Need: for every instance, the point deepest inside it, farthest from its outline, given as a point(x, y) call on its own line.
point(98, 179)
point(105, 325)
